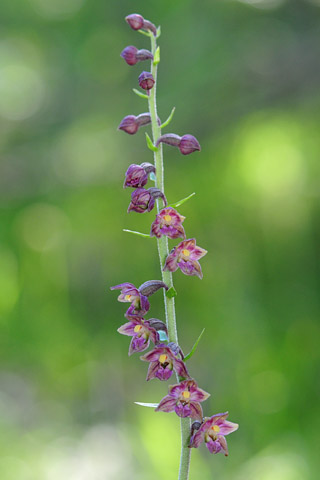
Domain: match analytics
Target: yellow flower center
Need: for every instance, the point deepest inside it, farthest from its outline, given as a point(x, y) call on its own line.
point(163, 358)
point(167, 218)
point(137, 328)
point(215, 428)
point(186, 394)
point(128, 298)
point(186, 252)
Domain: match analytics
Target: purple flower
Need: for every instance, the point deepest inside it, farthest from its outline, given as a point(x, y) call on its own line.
point(185, 256)
point(141, 332)
point(162, 362)
point(186, 144)
point(168, 222)
point(137, 175)
point(184, 398)
point(137, 22)
point(212, 432)
point(143, 200)
point(146, 80)
point(131, 124)
point(132, 55)
point(129, 293)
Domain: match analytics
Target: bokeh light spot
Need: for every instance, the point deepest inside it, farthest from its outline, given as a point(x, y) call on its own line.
point(57, 8)
point(22, 91)
point(270, 158)
point(43, 227)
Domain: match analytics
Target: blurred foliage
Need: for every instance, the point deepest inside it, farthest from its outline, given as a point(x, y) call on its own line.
point(244, 77)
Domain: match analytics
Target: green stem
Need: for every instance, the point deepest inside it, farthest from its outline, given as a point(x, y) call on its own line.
point(163, 250)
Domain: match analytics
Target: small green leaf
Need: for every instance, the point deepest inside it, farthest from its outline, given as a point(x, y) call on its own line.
point(162, 336)
point(171, 293)
point(156, 57)
point(153, 177)
point(151, 405)
point(140, 94)
point(145, 235)
point(150, 144)
point(147, 34)
point(194, 347)
point(166, 123)
point(177, 204)
point(158, 32)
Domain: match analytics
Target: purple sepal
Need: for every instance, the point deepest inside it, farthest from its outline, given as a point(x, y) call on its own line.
point(143, 200)
point(168, 222)
point(146, 80)
point(129, 54)
point(136, 177)
point(129, 125)
point(167, 404)
point(135, 21)
point(189, 144)
point(185, 256)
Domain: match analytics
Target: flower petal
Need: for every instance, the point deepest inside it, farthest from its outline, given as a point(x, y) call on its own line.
point(127, 328)
point(224, 445)
point(167, 404)
point(180, 368)
point(153, 367)
point(196, 411)
point(138, 344)
point(196, 439)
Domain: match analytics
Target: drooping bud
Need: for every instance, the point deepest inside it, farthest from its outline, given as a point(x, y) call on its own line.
point(189, 144)
point(130, 124)
point(186, 144)
point(137, 22)
point(143, 200)
point(137, 175)
point(146, 80)
point(151, 286)
point(132, 55)
point(158, 325)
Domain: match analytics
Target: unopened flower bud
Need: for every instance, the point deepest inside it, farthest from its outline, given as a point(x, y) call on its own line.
point(137, 175)
point(132, 55)
point(130, 124)
point(143, 200)
point(151, 286)
point(189, 144)
point(186, 144)
point(146, 80)
point(137, 22)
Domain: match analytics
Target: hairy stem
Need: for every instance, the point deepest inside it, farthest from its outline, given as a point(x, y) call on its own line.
point(163, 250)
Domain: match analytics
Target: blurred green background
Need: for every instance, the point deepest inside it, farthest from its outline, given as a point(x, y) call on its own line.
point(244, 77)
